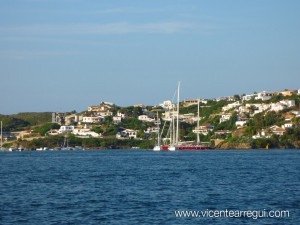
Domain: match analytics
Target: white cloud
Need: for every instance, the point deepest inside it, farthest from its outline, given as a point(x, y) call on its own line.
point(102, 29)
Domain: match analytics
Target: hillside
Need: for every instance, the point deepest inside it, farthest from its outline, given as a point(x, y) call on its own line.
point(20, 121)
point(247, 121)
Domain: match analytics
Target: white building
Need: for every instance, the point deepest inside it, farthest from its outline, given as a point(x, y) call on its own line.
point(248, 97)
point(240, 123)
point(262, 134)
point(92, 119)
point(65, 129)
point(127, 133)
point(225, 117)
point(85, 132)
point(231, 106)
point(264, 96)
point(282, 105)
point(122, 115)
point(167, 105)
point(288, 125)
point(288, 103)
point(151, 130)
point(145, 118)
point(117, 119)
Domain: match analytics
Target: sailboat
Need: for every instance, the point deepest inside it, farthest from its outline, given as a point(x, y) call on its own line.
point(198, 145)
point(174, 139)
point(1, 149)
point(66, 144)
point(174, 134)
point(157, 147)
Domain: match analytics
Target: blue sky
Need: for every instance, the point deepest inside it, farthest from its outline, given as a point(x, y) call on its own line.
point(63, 55)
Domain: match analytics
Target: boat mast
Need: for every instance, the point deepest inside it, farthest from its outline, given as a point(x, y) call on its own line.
point(158, 130)
point(198, 136)
point(1, 136)
point(177, 122)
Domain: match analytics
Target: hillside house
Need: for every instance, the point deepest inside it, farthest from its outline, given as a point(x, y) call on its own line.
point(85, 132)
point(145, 118)
point(231, 106)
point(203, 129)
point(65, 129)
point(167, 105)
point(127, 133)
point(277, 130)
point(288, 92)
point(282, 105)
point(241, 123)
point(117, 119)
point(248, 97)
point(225, 117)
point(93, 119)
point(264, 96)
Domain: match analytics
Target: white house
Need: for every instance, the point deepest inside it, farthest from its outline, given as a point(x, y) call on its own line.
point(85, 132)
point(151, 130)
point(240, 123)
point(65, 129)
point(203, 129)
point(288, 125)
point(117, 119)
point(264, 95)
point(282, 105)
point(262, 134)
point(167, 105)
point(92, 119)
point(288, 103)
point(231, 106)
point(248, 97)
point(122, 115)
point(127, 133)
point(225, 117)
point(277, 107)
point(278, 130)
point(243, 109)
point(145, 118)
point(258, 108)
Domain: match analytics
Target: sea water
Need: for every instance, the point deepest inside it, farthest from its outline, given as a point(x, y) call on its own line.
point(146, 187)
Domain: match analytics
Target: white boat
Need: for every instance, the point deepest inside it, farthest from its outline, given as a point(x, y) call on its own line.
point(157, 148)
point(65, 145)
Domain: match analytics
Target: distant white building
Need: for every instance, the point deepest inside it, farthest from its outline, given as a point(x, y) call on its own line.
point(122, 115)
point(151, 130)
point(85, 132)
point(240, 123)
point(127, 133)
point(248, 97)
point(145, 118)
point(264, 96)
point(167, 105)
point(65, 129)
point(225, 117)
point(282, 105)
point(117, 119)
point(231, 106)
point(188, 102)
point(288, 125)
point(92, 119)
